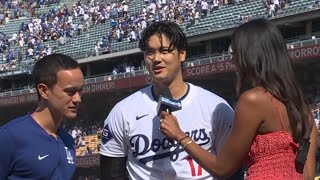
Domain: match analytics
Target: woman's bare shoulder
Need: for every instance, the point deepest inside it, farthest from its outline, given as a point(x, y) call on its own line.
point(254, 96)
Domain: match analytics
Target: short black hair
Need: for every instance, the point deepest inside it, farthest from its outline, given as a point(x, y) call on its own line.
point(170, 29)
point(45, 69)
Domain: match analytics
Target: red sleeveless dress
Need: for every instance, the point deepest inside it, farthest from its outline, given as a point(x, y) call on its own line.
point(272, 156)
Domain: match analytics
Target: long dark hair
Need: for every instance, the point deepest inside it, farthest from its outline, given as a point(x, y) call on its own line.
point(262, 59)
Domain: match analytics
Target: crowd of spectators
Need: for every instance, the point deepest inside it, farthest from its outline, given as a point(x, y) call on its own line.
point(12, 9)
point(275, 6)
point(59, 23)
point(81, 130)
point(316, 4)
point(127, 26)
point(123, 69)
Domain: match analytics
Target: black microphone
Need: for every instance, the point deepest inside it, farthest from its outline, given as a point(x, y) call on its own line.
point(168, 104)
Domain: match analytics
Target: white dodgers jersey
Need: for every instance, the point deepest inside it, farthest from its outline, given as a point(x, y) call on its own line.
point(132, 129)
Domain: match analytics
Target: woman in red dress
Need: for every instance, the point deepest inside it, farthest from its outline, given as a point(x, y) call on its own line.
point(271, 116)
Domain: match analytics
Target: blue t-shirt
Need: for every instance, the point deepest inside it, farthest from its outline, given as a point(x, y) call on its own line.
point(29, 152)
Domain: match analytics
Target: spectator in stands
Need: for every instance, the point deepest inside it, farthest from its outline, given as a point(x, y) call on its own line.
point(42, 149)
point(99, 132)
point(6, 19)
point(4, 56)
point(9, 56)
point(125, 9)
point(74, 134)
point(18, 54)
point(271, 117)
point(80, 141)
point(150, 154)
point(97, 48)
point(89, 151)
point(20, 42)
point(79, 132)
point(61, 40)
point(132, 36)
point(106, 49)
point(30, 52)
point(317, 3)
point(115, 70)
point(204, 8)
point(1, 18)
point(49, 50)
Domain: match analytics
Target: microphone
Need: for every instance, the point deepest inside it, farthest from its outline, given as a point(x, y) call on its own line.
point(168, 104)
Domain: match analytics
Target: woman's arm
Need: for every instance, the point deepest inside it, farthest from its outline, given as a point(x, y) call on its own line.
point(246, 125)
point(309, 169)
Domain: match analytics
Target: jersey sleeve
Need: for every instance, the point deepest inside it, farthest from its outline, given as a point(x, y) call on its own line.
point(5, 153)
point(223, 117)
point(113, 134)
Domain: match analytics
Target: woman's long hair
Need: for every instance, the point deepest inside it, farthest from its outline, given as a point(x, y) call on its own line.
point(262, 59)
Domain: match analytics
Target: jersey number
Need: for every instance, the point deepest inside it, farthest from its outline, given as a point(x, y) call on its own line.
point(193, 170)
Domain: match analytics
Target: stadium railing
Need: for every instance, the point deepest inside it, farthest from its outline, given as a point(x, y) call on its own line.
point(142, 71)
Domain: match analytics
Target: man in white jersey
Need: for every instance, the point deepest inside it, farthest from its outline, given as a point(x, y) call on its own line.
point(132, 146)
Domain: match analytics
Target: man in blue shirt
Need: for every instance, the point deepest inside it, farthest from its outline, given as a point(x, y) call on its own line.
point(35, 146)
